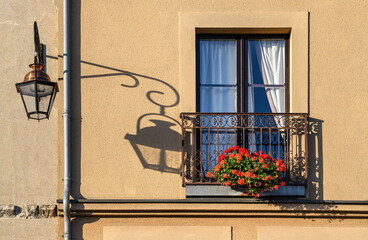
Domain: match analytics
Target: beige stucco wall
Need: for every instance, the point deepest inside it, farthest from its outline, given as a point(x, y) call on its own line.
point(28, 157)
point(242, 228)
point(28, 147)
point(167, 232)
point(257, 221)
point(127, 72)
point(127, 96)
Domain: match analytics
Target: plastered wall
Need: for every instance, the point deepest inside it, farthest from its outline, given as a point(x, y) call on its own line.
point(127, 94)
point(240, 228)
point(28, 149)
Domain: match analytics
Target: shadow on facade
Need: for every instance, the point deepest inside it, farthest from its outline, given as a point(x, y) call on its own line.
point(159, 136)
point(157, 144)
point(78, 226)
point(315, 179)
point(160, 139)
point(315, 161)
point(75, 98)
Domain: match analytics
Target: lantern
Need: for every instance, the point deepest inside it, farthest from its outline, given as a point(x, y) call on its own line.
point(37, 91)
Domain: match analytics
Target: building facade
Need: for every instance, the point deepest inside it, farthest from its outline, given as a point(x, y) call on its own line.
point(148, 83)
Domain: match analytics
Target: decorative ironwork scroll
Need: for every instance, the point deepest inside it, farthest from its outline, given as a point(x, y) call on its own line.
point(206, 135)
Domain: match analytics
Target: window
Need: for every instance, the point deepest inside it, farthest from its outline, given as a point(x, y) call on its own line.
point(206, 132)
point(244, 74)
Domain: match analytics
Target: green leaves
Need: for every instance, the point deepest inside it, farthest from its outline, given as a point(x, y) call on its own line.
point(259, 172)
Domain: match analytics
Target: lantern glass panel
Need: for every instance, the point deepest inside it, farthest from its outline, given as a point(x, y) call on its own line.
point(44, 89)
point(28, 96)
point(44, 93)
point(38, 97)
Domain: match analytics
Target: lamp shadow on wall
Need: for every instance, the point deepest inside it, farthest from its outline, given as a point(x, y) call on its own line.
point(157, 144)
point(158, 137)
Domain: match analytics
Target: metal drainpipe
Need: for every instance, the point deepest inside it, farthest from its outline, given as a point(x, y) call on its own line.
point(66, 116)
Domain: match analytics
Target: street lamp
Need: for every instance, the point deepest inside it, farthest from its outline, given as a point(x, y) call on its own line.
point(37, 91)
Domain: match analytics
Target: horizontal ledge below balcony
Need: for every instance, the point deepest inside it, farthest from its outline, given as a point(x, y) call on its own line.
point(223, 191)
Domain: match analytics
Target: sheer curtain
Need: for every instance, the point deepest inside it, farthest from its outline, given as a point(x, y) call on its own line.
point(271, 59)
point(271, 56)
point(218, 76)
point(266, 66)
point(217, 94)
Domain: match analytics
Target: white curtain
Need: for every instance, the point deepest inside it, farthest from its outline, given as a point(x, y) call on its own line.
point(271, 59)
point(217, 94)
point(218, 76)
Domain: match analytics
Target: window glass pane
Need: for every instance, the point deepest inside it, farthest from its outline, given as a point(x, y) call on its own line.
point(255, 71)
point(266, 60)
point(266, 64)
point(218, 99)
point(217, 61)
point(266, 99)
point(261, 104)
point(218, 67)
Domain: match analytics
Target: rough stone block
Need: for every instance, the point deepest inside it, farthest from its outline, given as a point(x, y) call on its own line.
point(8, 210)
point(47, 211)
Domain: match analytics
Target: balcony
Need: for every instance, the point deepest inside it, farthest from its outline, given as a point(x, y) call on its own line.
point(206, 135)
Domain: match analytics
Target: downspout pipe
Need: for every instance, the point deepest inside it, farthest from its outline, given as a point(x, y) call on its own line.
point(66, 117)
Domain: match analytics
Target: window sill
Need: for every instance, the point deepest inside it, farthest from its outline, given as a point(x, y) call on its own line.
point(221, 191)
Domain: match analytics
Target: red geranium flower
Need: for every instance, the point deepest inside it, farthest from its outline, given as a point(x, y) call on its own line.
point(241, 181)
point(221, 157)
point(260, 171)
point(279, 163)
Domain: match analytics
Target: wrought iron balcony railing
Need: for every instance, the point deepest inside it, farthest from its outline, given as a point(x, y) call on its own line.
point(206, 135)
